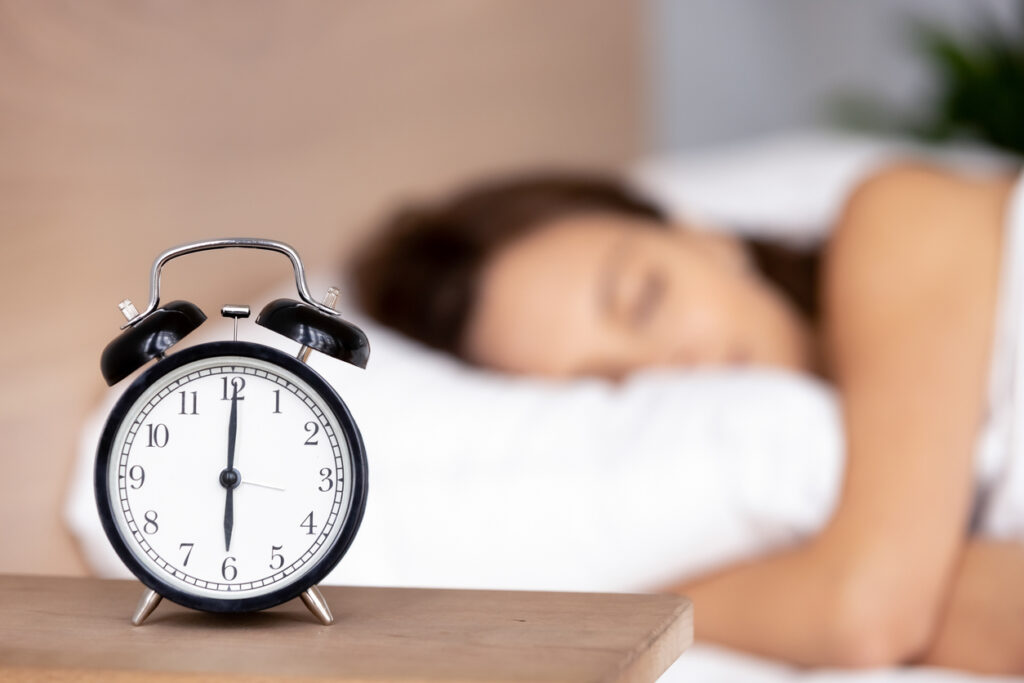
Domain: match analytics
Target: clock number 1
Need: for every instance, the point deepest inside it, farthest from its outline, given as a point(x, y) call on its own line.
point(277, 401)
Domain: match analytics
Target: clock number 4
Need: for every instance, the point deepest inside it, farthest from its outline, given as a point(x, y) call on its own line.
point(307, 523)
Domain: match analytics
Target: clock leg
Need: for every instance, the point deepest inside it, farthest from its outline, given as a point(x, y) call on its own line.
point(314, 600)
point(147, 603)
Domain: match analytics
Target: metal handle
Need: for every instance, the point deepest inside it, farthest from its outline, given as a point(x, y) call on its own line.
point(227, 243)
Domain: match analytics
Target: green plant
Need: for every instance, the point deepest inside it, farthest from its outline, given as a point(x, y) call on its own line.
point(978, 87)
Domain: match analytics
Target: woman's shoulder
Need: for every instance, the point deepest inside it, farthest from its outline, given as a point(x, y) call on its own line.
point(921, 209)
point(910, 224)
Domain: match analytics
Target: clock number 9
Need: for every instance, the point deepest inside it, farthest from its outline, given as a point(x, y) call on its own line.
point(138, 476)
point(226, 569)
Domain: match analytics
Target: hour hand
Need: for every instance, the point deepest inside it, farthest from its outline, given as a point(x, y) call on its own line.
point(229, 518)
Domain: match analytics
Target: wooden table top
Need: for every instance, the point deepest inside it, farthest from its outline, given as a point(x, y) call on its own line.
point(76, 629)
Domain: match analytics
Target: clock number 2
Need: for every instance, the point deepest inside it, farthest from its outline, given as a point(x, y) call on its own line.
point(313, 428)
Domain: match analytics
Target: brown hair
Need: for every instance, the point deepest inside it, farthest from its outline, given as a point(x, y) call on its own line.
point(420, 272)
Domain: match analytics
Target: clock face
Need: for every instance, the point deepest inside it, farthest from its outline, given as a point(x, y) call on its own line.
point(230, 476)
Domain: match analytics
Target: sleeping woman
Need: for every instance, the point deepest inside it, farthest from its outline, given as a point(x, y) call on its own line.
point(567, 276)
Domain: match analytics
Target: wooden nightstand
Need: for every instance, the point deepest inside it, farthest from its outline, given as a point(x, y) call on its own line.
point(77, 630)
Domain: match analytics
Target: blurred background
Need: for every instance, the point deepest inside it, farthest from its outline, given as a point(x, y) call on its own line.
point(129, 127)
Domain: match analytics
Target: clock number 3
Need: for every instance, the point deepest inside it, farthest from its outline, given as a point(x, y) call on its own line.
point(328, 481)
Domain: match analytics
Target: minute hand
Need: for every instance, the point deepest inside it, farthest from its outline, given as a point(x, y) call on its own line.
point(229, 506)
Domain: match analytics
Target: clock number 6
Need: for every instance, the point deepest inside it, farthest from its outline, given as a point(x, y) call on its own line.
point(226, 569)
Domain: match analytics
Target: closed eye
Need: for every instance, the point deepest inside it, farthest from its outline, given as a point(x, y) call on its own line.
point(648, 299)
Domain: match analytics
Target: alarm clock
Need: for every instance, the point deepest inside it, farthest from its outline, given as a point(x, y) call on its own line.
point(230, 476)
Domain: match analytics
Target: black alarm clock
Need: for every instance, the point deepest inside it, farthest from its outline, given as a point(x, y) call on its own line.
point(230, 476)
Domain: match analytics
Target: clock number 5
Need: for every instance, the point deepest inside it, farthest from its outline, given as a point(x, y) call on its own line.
point(276, 558)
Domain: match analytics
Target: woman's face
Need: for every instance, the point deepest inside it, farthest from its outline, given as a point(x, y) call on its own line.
point(605, 295)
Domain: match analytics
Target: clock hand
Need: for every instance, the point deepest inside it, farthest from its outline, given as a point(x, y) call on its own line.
point(229, 477)
point(262, 485)
point(229, 518)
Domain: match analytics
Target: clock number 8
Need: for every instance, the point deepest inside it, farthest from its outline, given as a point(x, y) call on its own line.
point(150, 527)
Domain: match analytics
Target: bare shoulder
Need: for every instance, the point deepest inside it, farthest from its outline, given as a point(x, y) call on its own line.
point(917, 250)
point(911, 226)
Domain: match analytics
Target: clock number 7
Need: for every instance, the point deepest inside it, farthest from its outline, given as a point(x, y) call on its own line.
point(188, 553)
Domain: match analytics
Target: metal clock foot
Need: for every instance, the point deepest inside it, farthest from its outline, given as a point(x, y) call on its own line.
point(147, 603)
point(314, 600)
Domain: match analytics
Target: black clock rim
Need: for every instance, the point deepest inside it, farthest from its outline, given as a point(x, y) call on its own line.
point(358, 479)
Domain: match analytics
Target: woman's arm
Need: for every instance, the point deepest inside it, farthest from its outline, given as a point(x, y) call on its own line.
point(982, 626)
point(910, 293)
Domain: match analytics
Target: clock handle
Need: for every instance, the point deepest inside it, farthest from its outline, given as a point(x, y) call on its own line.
point(227, 243)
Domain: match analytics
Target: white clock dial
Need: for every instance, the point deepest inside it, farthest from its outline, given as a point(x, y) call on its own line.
point(229, 532)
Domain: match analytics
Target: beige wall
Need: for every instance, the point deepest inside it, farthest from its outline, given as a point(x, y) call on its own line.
point(128, 127)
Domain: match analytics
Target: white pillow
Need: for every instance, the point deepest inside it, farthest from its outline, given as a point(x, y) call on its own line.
point(479, 480)
point(789, 186)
